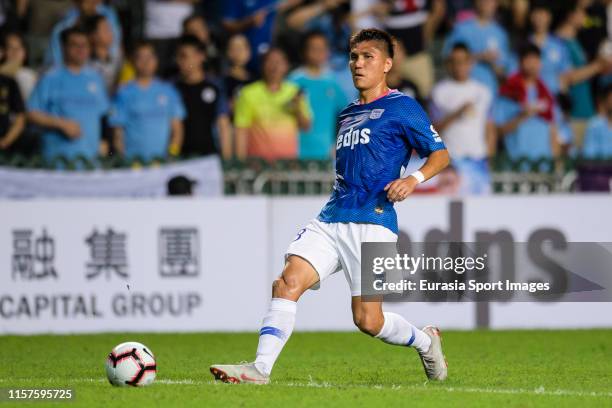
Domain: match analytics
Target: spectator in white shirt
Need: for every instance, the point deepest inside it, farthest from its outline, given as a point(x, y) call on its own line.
point(460, 110)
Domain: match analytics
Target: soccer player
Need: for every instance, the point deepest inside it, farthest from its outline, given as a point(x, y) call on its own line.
point(376, 135)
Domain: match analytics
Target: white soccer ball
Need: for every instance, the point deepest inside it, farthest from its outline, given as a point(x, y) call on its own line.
point(132, 364)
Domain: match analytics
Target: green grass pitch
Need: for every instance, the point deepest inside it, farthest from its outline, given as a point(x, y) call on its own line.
point(486, 368)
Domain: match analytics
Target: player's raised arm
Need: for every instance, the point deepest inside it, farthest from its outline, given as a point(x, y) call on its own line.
point(399, 189)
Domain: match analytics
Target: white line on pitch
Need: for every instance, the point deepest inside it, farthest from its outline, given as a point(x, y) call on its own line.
point(313, 384)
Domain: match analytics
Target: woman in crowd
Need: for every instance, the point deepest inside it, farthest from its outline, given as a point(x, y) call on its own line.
point(15, 63)
point(237, 75)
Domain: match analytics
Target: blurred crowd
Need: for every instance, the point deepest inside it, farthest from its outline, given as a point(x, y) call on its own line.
point(149, 79)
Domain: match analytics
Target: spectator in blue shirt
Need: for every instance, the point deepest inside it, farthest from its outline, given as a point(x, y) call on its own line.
point(330, 17)
point(524, 112)
point(83, 8)
point(254, 19)
point(556, 62)
point(572, 19)
point(488, 42)
point(147, 113)
point(69, 102)
point(598, 136)
point(324, 96)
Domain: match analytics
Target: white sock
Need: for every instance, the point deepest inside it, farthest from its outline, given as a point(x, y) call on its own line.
point(396, 330)
point(275, 331)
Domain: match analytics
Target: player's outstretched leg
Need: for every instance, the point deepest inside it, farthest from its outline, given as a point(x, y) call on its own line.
point(277, 326)
point(394, 329)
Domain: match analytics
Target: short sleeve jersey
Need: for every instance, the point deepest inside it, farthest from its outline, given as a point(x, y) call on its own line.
point(146, 116)
point(373, 143)
point(80, 97)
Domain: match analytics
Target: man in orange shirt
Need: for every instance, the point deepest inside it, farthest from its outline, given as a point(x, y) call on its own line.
point(270, 113)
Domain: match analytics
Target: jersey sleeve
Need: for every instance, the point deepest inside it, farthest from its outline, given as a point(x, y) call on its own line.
point(417, 129)
point(118, 114)
point(40, 99)
point(222, 104)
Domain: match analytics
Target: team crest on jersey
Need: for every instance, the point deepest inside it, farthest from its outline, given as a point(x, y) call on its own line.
point(376, 113)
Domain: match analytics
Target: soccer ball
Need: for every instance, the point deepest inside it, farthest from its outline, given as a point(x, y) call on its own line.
point(132, 364)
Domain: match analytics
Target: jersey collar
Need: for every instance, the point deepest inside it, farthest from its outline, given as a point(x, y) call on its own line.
point(380, 97)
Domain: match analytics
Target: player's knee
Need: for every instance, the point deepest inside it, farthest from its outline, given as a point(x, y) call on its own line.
point(286, 287)
point(368, 323)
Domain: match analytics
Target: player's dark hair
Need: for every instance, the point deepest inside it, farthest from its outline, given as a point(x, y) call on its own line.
point(69, 32)
point(529, 49)
point(90, 24)
point(461, 46)
point(191, 41)
point(374, 34)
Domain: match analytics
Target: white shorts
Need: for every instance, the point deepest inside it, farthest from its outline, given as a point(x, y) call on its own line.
point(330, 247)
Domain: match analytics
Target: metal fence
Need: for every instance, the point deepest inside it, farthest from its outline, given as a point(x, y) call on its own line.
point(312, 177)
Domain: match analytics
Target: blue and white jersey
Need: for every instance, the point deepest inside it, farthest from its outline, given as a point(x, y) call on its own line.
point(374, 141)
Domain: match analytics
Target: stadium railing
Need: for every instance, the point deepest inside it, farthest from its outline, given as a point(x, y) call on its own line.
point(313, 177)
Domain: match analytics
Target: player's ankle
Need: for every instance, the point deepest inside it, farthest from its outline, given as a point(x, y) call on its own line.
point(262, 368)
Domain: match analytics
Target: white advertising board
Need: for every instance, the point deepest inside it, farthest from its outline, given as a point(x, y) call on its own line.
point(71, 266)
point(160, 265)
